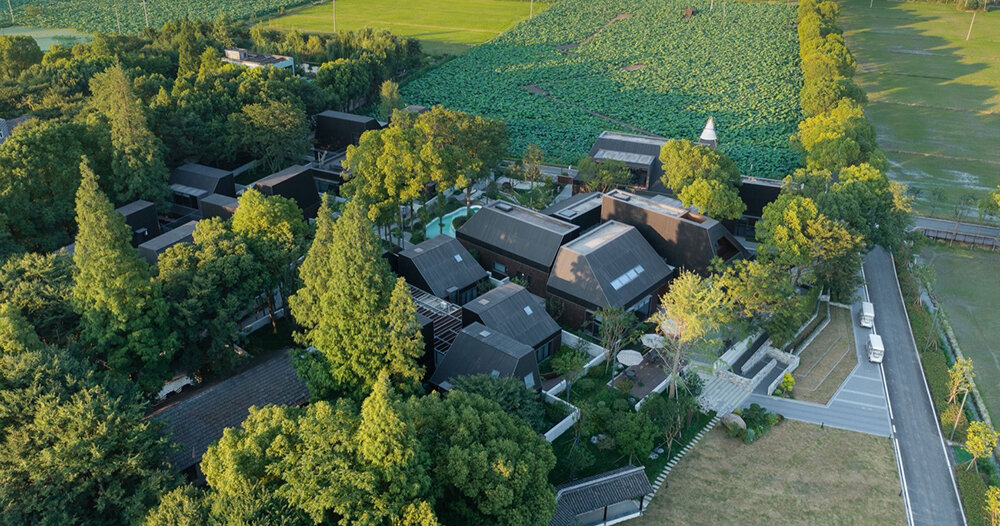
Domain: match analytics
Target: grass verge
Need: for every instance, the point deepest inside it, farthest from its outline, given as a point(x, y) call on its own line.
point(827, 361)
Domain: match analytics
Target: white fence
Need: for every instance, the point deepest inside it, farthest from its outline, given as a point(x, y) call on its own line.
point(557, 430)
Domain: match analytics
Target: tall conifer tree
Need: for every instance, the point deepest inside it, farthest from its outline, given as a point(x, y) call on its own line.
point(124, 316)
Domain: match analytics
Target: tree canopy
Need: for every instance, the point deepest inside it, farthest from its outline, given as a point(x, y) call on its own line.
point(702, 177)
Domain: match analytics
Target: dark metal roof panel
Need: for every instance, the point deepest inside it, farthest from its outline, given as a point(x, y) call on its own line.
point(444, 263)
point(611, 266)
point(523, 233)
point(514, 311)
point(198, 421)
point(480, 350)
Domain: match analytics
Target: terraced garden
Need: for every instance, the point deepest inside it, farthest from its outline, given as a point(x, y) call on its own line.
point(584, 66)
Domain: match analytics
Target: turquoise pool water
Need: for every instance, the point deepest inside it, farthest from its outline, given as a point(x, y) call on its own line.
point(433, 228)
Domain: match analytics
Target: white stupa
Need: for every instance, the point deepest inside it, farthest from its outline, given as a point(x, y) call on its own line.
point(708, 137)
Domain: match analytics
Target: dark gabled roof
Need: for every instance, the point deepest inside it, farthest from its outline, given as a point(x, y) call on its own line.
point(222, 201)
point(514, 311)
point(611, 266)
point(168, 239)
point(578, 204)
point(480, 350)
point(443, 264)
point(133, 207)
point(196, 422)
point(636, 151)
point(592, 493)
point(330, 114)
point(211, 180)
point(295, 182)
point(518, 232)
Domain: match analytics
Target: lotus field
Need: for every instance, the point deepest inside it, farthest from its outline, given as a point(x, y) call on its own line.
point(638, 66)
point(91, 15)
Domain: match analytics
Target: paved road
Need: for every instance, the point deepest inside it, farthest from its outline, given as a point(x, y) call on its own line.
point(928, 480)
point(858, 405)
point(944, 225)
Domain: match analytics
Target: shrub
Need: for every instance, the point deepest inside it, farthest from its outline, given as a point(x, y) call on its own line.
point(948, 420)
point(418, 235)
point(510, 393)
point(786, 386)
point(459, 221)
point(758, 422)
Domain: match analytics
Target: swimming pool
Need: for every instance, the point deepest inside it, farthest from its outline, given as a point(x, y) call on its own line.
point(433, 228)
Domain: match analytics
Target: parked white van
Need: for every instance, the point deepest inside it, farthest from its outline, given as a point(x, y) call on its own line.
point(875, 348)
point(867, 315)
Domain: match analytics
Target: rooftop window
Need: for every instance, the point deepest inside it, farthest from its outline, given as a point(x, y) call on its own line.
point(627, 277)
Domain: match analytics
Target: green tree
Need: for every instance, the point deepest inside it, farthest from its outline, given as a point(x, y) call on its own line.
point(568, 363)
point(275, 231)
point(702, 177)
point(137, 162)
point(74, 448)
point(839, 138)
point(351, 322)
point(756, 289)
point(182, 506)
point(488, 467)
point(634, 434)
point(314, 273)
point(17, 53)
point(210, 285)
point(690, 315)
point(602, 176)
point(530, 170)
point(124, 319)
point(870, 205)
point(40, 286)
point(39, 175)
point(510, 393)
point(615, 326)
point(272, 131)
point(714, 198)
point(389, 99)
point(980, 440)
point(960, 377)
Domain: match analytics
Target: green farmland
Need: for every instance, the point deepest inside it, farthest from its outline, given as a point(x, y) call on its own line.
point(640, 66)
point(934, 97)
point(443, 26)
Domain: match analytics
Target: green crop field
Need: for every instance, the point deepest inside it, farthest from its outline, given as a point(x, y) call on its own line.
point(448, 26)
point(88, 15)
point(934, 97)
point(584, 66)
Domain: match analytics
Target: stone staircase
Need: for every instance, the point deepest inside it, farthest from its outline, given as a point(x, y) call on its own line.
point(724, 391)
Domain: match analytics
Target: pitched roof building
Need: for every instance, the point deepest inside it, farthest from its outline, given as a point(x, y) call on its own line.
point(443, 267)
point(514, 311)
point(685, 239)
point(193, 182)
point(611, 266)
point(151, 250)
point(515, 241)
point(603, 498)
point(583, 210)
point(197, 421)
point(295, 182)
point(250, 59)
point(336, 130)
point(481, 350)
point(640, 153)
point(140, 216)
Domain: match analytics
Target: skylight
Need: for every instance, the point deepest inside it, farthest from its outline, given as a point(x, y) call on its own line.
point(458, 257)
point(627, 277)
point(527, 310)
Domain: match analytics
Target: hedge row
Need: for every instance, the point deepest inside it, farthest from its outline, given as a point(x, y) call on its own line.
point(835, 133)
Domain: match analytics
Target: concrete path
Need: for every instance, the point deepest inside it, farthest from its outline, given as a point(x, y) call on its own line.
point(925, 467)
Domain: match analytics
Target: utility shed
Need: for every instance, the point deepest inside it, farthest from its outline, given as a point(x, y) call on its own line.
point(192, 182)
point(217, 205)
point(442, 266)
point(640, 153)
point(514, 311)
point(680, 236)
point(140, 215)
point(480, 350)
point(607, 498)
point(151, 250)
point(611, 266)
point(583, 210)
point(336, 130)
point(198, 420)
point(516, 241)
point(295, 182)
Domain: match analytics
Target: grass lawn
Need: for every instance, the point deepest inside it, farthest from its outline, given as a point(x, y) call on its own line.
point(443, 26)
point(796, 474)
point(827, 361)
point(968, 288)
point(934, 97)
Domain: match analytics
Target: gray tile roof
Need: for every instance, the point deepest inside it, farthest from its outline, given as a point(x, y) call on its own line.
point(198, 421)
point(518, 232)
point(514, 311)
point(154, 247)
point(592, 493)
point(442, 264)
point(347, 116)
point(481, 350)
point(611, 266)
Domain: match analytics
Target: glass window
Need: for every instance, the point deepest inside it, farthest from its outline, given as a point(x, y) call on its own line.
point(500, 267)
point(529, 381)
